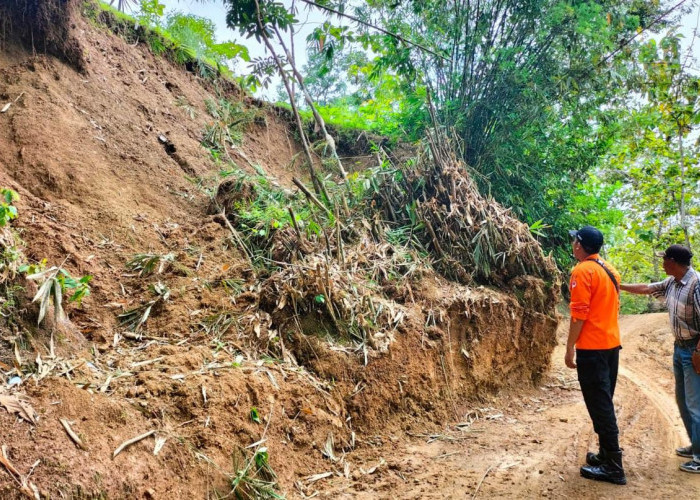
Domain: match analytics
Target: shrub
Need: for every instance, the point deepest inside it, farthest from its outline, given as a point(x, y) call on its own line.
point(7, 210)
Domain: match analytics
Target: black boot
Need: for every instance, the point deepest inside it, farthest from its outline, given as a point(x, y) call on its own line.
point(595, 458)
point(610, 470)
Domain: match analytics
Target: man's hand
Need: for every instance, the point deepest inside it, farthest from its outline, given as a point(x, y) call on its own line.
point(569, 358)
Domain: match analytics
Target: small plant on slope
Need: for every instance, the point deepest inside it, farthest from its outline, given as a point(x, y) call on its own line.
point(254, 479)
point(135, 318)
point(148, 263)
point(11, 255)
point(182, 102)
point(227, 127)
point(54, 283)
point(7, 210)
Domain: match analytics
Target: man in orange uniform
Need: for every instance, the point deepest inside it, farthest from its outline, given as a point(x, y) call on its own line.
point(594, 338)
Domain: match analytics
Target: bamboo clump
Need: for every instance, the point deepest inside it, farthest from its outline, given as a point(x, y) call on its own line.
point(352, 278)
point(473, 239)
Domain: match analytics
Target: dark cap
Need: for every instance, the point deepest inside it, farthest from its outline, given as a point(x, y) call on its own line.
point(677, 253)
point(590, 238)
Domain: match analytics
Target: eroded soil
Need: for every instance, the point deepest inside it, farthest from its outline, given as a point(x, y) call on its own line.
point(97, 186)
point(531, 445)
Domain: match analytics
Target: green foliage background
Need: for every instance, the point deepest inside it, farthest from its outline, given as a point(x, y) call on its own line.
point(562, 112)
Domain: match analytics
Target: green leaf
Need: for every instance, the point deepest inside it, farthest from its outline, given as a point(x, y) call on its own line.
point(262, 458)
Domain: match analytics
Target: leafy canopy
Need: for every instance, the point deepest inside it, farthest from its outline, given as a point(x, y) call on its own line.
point(198, 34)
point(529, 88)
point(243, 15)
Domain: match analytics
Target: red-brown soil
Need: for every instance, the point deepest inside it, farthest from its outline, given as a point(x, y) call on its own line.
point(531, 443)
point(81, 145)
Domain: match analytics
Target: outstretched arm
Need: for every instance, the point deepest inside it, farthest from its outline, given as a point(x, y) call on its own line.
point(639, 288)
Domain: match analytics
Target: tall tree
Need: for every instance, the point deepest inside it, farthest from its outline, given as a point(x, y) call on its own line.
point(528, 85)
point(655, 159)
point(522, 82)
point(673, 97)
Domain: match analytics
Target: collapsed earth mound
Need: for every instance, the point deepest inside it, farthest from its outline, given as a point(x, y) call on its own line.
point(45, 26)
point(250, 334)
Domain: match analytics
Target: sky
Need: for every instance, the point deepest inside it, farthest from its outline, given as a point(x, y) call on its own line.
point(215, 10)
point(690, 27)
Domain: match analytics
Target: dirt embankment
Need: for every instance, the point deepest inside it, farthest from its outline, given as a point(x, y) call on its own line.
point(44, 27)
point(102, 141)
point(530, 444)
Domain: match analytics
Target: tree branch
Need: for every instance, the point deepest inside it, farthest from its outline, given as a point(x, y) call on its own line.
point(381, 30)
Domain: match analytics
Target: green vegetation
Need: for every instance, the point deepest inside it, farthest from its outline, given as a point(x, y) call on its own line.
point(654, 163)
point(11, 256)
point(148, 263)
point(185, 39)
point(7, 210)
point(226, 129)
point(270, 219)
point(529, 103)
point(254, 478)
point(338, 79)
point(54, 283)
point(559, 109)
point(563, 113)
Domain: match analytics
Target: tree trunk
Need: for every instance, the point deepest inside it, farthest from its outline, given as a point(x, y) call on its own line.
point(317, 117)
point(317, 183)
point(684, 222)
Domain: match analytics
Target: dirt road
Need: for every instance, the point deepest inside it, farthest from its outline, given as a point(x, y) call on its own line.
point(531, 445)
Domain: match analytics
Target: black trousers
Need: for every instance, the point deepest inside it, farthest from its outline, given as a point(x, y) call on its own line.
point(597, 374)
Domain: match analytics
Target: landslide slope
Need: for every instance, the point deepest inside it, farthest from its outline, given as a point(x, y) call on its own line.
point(103, 143)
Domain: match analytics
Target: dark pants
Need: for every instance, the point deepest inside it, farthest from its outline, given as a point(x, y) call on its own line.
point(597, 374)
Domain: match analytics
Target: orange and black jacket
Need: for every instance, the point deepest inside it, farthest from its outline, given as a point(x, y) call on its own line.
point(595, 301)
